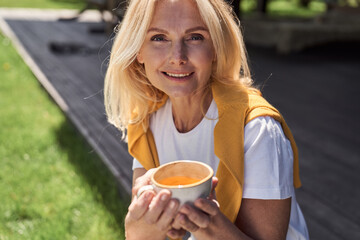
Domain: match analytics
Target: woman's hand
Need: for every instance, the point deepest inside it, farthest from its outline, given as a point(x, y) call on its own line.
point(205, 221)
point(257, 219)
point(150, 215)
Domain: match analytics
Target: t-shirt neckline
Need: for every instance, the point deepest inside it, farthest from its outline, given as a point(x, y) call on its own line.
point(210, 114)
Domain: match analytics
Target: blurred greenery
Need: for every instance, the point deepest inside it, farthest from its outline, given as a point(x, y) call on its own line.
point(286, 8)
point(52, 185)
point(294, 8)
point(55, 4)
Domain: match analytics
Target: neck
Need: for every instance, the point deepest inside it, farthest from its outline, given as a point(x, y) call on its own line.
point(188, 111)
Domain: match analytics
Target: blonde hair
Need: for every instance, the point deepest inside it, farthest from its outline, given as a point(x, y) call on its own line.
point(129, 97)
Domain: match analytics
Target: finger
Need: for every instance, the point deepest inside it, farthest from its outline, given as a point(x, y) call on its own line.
point(139, 206)
point(176, 223)
point(215, 181)
point(210, 207)
point(157, 206)
point(168, 215)
point(144, 189)
point(142, 181)
point(196, 216)
point(176, 233)
point(186, 224)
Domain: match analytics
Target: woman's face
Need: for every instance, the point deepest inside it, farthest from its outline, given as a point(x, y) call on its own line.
point(178, 52)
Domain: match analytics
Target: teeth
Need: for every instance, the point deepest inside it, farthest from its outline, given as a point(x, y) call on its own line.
point(178, 75)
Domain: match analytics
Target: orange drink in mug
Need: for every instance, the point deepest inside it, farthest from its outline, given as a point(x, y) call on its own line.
point(186, 180)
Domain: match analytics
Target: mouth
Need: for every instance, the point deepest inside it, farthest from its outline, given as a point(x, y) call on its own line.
point(178, 75)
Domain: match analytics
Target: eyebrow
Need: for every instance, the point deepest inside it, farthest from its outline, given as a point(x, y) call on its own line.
point(198, 28)
point(155, 29)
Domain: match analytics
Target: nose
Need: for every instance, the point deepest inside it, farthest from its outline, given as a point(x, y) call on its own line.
point(178, 55)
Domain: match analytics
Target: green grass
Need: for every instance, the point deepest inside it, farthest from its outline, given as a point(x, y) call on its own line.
point(52, 185)
point(55, 4)
point(286, 8)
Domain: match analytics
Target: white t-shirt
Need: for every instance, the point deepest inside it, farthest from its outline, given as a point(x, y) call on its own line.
point(268, 160)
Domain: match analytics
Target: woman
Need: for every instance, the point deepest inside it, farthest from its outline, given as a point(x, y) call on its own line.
point(178, 83)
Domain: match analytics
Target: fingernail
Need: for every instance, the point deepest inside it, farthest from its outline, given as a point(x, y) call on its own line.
point(172, 204)
point(182, 219)
point(147, 196)
point(171, 233)
point(164, 197)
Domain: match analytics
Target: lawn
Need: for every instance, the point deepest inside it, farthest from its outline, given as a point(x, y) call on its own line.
point(52, 185)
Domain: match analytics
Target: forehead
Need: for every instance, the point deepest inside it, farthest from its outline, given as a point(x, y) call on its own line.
point(176, 14)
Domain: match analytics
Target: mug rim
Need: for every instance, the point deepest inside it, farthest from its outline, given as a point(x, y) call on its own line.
point(209, 176)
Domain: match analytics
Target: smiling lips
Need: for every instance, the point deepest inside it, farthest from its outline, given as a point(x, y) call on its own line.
point(178, 75)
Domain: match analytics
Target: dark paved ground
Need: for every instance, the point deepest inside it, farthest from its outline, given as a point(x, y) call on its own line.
point(316, 90)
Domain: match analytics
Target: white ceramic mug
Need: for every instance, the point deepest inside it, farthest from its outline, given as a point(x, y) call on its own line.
point(182, 170)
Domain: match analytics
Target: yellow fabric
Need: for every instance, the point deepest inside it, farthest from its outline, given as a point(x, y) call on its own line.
point(236, 107)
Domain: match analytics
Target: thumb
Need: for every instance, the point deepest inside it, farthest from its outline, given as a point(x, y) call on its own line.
point(215, 181)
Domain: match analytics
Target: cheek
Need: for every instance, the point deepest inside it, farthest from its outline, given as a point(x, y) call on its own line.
point(205, 60)
point(203, 56)
point(154, 59)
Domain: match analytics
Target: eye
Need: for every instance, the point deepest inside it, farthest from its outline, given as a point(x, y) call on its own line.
point(196, 37)
point(158, 38)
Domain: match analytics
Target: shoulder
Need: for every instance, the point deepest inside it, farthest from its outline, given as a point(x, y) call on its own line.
point(267, 150)
point(263, 128)
point(259, 106)
point(241, 98)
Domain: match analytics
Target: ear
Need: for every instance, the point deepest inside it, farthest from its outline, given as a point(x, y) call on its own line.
point(139, 58)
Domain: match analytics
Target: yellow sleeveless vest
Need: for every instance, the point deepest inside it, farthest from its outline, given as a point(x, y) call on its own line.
point(236, 107)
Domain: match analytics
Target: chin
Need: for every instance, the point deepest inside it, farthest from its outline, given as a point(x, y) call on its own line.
point(181, 94)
